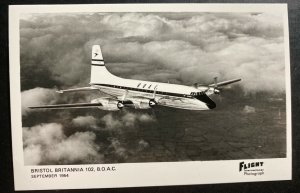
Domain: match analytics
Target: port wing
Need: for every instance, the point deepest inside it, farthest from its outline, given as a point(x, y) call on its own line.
point(68, 106)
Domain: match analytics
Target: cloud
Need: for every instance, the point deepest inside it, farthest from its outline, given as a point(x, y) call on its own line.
point(110, 122)
point(257, 61)
point(182, 48)
point(126, 120)
point(32, 155)
point(118, 149)
point(249, 109)
point(131, 119)
point(79, 147)
point(146, 118)
point(85, 121)
point(37, 96)
point(45, 96)
point(142, 145)
point(47, 144)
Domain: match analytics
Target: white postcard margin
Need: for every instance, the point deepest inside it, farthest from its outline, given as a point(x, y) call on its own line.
point(137, 174)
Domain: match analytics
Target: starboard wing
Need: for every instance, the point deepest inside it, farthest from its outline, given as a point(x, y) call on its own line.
point(224, 83)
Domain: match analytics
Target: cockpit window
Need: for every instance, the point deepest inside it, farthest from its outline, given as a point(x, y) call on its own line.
point(197, 93)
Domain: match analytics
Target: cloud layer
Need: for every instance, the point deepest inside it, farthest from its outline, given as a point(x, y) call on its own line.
point(47, 144)
point(85, 121)
point(183, 48)
point(37, 96)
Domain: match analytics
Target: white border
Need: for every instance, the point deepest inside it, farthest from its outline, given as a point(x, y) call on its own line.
point(139, 174)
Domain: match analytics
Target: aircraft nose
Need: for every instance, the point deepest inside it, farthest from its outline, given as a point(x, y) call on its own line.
point(206, 100)
point(211, 105)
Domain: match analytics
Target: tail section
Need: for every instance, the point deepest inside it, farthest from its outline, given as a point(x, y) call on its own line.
point(99, 73)
point(97, 58)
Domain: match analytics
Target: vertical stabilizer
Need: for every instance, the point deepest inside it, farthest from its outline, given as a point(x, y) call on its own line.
point(97, 58)
point(99, 73)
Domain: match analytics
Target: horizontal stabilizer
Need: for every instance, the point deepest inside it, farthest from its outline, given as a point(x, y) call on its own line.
point(68, 106)
point(77, 89)
point(220, 84)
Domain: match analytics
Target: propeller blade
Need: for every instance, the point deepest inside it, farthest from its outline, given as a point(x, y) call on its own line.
point(215, 82)
point(154, 92)
point(124, 96)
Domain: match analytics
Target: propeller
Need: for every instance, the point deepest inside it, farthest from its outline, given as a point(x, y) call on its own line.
point(215, 87)
point(152, 101)
point(120, 104)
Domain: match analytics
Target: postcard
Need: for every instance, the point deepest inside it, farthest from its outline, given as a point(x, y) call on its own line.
point(131, 95)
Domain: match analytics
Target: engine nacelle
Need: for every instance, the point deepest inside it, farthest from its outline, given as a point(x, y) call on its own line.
point(107, 104)
point(144, 103)
point(114, 105)
point(216, 91)
point(211, 91)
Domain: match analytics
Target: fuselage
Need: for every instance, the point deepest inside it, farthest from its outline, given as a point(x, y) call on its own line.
point(171, 95)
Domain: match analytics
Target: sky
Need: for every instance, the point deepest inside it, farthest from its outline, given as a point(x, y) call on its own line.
point(181, 48)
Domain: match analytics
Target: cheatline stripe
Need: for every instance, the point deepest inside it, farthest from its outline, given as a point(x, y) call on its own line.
point(146, 91)
point(98, 64)
point(100, 60)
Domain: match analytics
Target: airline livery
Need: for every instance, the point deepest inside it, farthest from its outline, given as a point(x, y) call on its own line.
point(138, 94)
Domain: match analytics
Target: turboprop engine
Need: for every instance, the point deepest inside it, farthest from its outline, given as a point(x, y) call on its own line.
point(211, 90)
point(144, 103)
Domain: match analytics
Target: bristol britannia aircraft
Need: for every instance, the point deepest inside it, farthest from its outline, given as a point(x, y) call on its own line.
point(138, 94)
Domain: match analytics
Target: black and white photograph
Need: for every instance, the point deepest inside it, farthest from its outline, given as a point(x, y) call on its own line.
point(118, 87)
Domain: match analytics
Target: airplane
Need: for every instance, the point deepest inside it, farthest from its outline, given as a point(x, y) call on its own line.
point(139, 94)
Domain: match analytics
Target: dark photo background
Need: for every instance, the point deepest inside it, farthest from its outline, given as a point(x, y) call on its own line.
point(181, 48)
point(6, 182)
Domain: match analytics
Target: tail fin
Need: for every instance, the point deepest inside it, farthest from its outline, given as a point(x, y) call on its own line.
point(99, 73)
point(97, 58)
